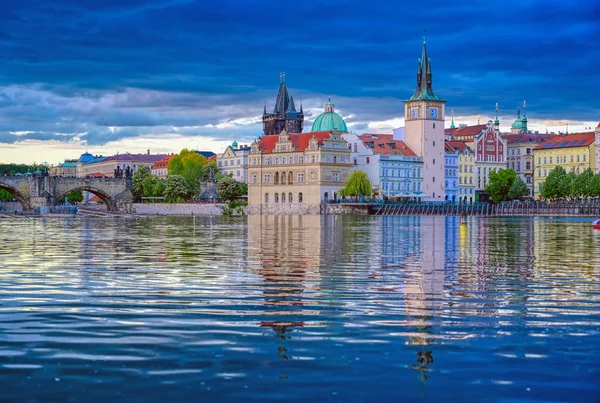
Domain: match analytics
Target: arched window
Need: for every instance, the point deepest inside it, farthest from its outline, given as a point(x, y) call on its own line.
point(276, 197)
point(283, 197)
point(266, 198)
point(290, 200)
point(326, 196)
point(300, 197)
point(290, 181)
point(283, 178)
point(276, 179)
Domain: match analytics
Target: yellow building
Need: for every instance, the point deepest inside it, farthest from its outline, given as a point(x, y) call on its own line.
point(466, 171)
point(574, 152)
point(293, 174)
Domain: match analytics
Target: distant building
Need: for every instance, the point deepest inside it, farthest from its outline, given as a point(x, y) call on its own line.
point(208, 154)
point(519, 126)
point(284, 115)
point(451, 171)
point(294, 173)
point(392, 167)
point(160, 168)
point(106, 166)
point(234, 161)
point(466, 171)
point(520, 154)
point(574, 152)
point(67, 168)
point(597, 146)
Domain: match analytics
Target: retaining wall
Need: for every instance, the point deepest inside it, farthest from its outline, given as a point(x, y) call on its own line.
point(177, 208)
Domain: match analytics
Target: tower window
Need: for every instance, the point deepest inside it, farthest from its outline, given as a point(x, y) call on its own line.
point(434, 125)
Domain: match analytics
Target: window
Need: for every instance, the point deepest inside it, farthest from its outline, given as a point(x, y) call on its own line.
point(544, 160)
point(368, 160)
point(290, 200)
point(300, 199)
point(301, 177)
point(578, 158)
point(583, 157)
point(283, 197)
point(355, 147)
point(355, 161)
point(528, 166)
point(253, 178)
point(267, 179)
point(571, 158)
point(266, 198)
point(290, 178)
point(551, 160)
point(434, 140)
point(434, 179)
point(276, 197)
point(434, 161)
point(237, 173)
point(336, 177)
point(529, 179)
point(528, 151)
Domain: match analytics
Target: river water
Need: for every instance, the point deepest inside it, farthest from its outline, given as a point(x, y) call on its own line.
point(349, 309)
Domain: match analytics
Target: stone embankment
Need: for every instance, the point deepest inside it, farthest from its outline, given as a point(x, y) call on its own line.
point(154, 209)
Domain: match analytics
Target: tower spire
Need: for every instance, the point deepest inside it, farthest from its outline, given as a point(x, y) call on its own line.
point(524, 119)
point(265, 110)
point(452, 124)
point(424, 77)
point(497, 121)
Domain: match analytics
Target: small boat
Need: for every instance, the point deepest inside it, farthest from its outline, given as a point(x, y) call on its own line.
point(596, 224)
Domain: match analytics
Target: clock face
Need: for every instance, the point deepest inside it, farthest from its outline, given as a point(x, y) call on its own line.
point(433, 113)
point(414, 113)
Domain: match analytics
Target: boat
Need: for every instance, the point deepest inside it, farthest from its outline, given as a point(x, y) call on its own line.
point(596, 224)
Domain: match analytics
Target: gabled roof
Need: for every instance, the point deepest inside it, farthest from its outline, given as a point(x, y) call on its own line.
point(465, 131)
point(568, 141)
point(457, 145)
point(385, 144)
point(300, 141)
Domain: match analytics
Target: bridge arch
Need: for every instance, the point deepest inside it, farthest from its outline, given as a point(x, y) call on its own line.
point(110, 203)
point(18, 195)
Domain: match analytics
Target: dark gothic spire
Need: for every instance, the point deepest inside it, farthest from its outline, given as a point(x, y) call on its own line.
point(424, 78)
point(265, 110)
point(301, 111)
point(291, 106)
point(283, 98)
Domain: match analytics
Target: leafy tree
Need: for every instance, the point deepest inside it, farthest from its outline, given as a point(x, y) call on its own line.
point(593, 189)
point(242, 188)
point(518, 189)
point(189, 165)
point(500, 183)
point(6, 195)
point(73, 197)
point(357, 184)
point(153, 186)
point(211, 164)
point(581, 186)
point(552, 187)
point(566, 184)
point(139, 176)
point(228, 188)
point(176, 189)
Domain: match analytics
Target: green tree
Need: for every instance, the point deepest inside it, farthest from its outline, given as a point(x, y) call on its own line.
point(518, 189)
point(593, 189)
point(73, 197)
point(358, 184)
point(228, 188)
point(500, 183)
point(566, 185)
point(581, 186)
point(139, 176)
point(242, 188)
point(6, 195)
point(189, 165)
point(553, 185)
point(176, 189)
point(153, 187)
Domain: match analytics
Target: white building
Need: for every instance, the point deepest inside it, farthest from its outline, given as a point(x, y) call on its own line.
point(424, 130)
point(597, 146)
point(234, 161)
point(393, 168)
point(451, 172)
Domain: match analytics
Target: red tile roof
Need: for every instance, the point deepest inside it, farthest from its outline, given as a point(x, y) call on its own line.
point(465, 131)
point(527, 137)
point(385, 144)
point(212, 157)
point(457, 145)
point(299, 140)
point(163, 163)
point(598, 125)
point(568, 141)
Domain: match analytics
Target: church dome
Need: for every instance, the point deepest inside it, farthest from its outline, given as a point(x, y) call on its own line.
point(517, 124)
point(234, 144)
point(329, 120)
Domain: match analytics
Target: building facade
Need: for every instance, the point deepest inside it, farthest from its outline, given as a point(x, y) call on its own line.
point(490, 154)
point(67, 168)
point(597, 147)
point(284, 116)
point(466, 171)
point(520, 154)
point(234, 161)
point(393, 168)
point(424, 129)
point(451, 172)
point(295, 173)
point(160, 168)
point(574, 152)
point(106, 166)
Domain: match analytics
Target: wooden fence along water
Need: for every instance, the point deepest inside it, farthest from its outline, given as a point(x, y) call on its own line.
point(529, 209)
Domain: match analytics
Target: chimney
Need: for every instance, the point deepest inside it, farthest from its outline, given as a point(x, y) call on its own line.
point(148, 151)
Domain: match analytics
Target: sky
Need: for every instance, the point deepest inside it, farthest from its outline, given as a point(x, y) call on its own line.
point(109, 76)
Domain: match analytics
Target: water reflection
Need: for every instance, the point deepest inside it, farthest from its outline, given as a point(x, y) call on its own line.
point(299, 308)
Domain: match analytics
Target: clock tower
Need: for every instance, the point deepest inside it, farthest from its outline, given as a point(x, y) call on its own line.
point(424, 129)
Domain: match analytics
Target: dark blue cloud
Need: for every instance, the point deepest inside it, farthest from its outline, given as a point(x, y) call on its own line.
point(143, 64)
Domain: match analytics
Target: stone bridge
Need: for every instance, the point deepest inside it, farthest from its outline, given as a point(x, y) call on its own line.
point(34, 191)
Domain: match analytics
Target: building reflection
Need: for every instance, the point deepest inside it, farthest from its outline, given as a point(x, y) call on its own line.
point(289, 253)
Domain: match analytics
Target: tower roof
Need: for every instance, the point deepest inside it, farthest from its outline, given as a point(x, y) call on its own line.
point(424, 78)
point(283, 98)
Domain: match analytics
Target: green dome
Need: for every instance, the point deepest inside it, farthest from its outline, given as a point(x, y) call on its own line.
point(234, 144)
point(517, 124)
point(329, 120)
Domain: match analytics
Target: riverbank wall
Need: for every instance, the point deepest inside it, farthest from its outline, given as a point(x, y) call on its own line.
point(154, 209)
